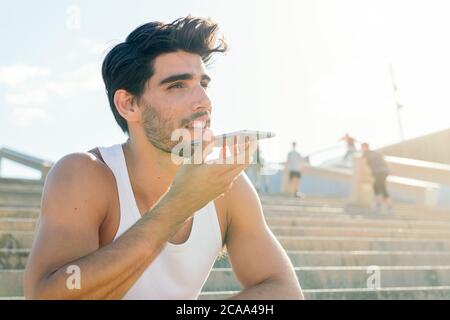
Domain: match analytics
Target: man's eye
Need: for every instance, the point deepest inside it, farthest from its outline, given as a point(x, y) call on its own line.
point(176, 85)
point(205, 85)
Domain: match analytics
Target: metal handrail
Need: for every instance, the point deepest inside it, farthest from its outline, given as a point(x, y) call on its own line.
point(29, 161)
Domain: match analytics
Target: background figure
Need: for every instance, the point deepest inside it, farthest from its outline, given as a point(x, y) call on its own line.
point(380, 171)
point(351, 148)
point(294, 160)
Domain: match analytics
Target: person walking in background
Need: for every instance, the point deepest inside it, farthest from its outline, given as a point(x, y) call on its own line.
point(380, 171)
point(294, 161)
point(351, 147)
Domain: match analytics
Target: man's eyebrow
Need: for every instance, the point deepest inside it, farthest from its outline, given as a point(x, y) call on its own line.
point(182, 76)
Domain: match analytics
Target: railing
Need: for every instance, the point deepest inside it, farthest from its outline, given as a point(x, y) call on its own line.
point(41, 165)
point(418, 169)
point(420, 182)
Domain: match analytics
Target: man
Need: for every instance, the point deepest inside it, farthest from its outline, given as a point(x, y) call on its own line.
point(128, 221)
point(351, 147)
point(380, 171)
point(294, 160)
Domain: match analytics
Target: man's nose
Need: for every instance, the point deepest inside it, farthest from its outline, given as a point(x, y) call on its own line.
point(201, 100)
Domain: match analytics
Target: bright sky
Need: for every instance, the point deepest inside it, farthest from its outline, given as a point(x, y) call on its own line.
point(309, 70)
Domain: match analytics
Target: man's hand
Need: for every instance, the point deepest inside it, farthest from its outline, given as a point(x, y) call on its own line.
point(197, 184)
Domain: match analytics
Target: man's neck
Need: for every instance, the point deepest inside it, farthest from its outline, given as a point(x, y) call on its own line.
point(151, 170)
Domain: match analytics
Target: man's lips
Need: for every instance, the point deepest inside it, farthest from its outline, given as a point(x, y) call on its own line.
point(199, 123)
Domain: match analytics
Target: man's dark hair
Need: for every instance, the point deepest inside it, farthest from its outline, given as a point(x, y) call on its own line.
point(129, 65)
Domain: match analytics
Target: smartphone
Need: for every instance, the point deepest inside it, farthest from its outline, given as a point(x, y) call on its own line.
point(228, 138)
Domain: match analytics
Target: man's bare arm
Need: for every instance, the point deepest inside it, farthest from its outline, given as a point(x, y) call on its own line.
point(258, 260)
point(74, 205)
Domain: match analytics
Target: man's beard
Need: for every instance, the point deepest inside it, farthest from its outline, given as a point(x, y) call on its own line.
point(158, 129)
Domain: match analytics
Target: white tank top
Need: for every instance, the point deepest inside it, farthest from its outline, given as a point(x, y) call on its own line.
point(180, 270)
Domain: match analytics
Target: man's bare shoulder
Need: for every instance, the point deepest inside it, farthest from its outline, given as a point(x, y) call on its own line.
point(242, 197)
point(83, 167)
point(241, 189)
point(78, 179)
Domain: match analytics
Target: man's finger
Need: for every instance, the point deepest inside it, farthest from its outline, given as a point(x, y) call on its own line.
point(247, 152)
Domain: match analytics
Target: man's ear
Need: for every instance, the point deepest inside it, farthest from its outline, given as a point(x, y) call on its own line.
point(126, 105)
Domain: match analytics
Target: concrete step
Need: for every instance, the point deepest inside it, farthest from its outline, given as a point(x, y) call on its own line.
point(16, 258)
point(360, 232)
point(25, 201)
point(21, 188)
point(11, 281)
point(338, 202)
point(318, 201)
point(14, 212)
point(356, 222)
point(17, 224)
point(16, 239)
point(332, 209)
point(29, 224)
point(21, 183)
point(275, 199)
point(359, 258)
point(13, 259)
point(395, 293)
point(24, 239)
point(304, 208)
point(338, 213)
point(346, 277)
point(20, 192)
point(18, 216)
point(22, 230)
point(372, 216)
point(360, 243)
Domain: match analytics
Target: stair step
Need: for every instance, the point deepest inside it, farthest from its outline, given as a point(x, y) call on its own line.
point(16, 239)
point(17, 224)
point(345, 277)
point(13, 259)
point(360, 232)
point(16, 258)
point(13, 200)
point(14, 212)
point(24, 239)
point(361, 215)
point(11, 283)
point(360, 243)
point(356, 222)
point(394, 293)
point(359, 258)
point(25, 218)
point(325, 278)
point(414, 231)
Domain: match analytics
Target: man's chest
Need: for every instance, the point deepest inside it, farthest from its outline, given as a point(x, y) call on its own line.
point(109, 228)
